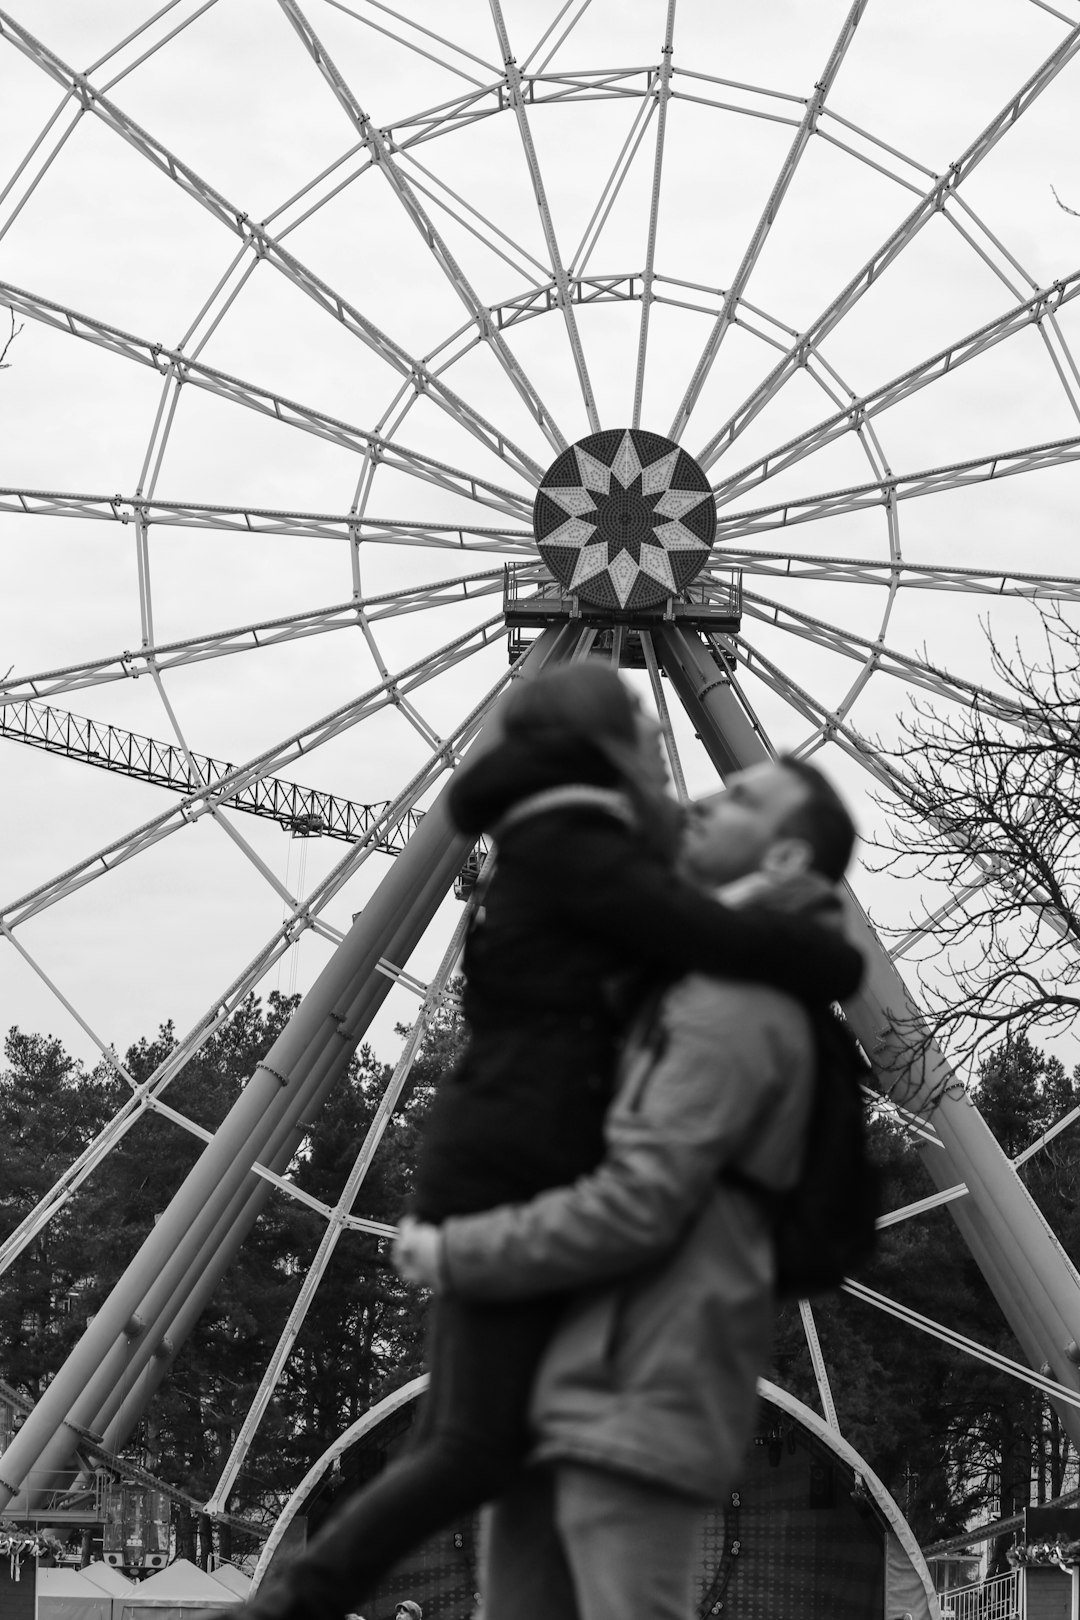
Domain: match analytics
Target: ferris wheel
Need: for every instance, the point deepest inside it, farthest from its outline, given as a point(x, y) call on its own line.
point(363, 358)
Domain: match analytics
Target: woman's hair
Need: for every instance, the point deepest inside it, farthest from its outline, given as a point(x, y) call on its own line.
point(587, 702)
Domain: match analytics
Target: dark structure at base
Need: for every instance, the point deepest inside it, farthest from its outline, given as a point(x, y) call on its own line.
point(804, 1535)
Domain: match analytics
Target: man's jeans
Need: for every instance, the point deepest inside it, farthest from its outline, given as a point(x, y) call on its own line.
point(584, 1542)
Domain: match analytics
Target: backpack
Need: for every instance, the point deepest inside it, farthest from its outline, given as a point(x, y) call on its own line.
point(824, 1227)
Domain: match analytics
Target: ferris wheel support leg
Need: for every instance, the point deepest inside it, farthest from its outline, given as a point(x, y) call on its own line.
point(311, 1053)
point(1032, 1278)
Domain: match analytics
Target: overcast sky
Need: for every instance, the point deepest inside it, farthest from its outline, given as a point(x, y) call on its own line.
point(98, 224)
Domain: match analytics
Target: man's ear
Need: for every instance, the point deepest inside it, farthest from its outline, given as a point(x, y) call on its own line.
point(787, 858)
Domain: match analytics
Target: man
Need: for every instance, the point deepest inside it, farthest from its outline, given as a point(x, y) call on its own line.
point(645, 1401)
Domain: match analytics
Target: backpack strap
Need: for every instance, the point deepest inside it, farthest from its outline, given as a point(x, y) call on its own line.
point(570, 796)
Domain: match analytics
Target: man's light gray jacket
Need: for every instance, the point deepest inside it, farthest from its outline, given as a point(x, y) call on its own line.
point(653, 1372)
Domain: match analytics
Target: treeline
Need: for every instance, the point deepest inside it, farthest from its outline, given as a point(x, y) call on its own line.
point(363, 1335)
point(952, 1439)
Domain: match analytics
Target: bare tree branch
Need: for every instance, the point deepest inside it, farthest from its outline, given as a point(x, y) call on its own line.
point(5, 363)
point(988, 810)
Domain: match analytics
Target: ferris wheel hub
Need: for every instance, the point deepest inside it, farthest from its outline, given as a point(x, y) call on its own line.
point(625, 519)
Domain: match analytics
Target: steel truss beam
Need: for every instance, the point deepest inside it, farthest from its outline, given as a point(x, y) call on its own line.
point(298, 809)
point(169, 1281)
point(1029, 1273)
point(174, 363)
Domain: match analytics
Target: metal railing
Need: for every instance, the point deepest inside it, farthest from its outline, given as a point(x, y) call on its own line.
point(531, 585)
point(997, 1599)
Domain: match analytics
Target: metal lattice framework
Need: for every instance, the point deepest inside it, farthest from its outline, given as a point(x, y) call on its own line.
point(430, 308)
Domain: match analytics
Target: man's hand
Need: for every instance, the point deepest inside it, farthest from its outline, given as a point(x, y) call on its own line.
point(417, 1253)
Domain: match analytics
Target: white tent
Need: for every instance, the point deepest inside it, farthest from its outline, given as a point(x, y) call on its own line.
point(66, 1594)
point(233, 1578)
point(112, 1582)
point(109, 1578)
point(176, 1593)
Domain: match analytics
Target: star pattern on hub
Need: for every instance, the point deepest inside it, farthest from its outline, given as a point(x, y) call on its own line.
point(625, 519)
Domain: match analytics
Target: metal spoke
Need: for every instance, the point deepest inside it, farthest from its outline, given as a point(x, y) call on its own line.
point(981, 239)
point(195, 805)
point(764, 225)
point(959, 1341)
point(250, 637)
point(263, 245)
point(922, 1206)
point(224, 1006)
point(517, 102)
point(1043, 305)
point(829, 725)
point(173, 362)
point(751, 100)
point(151, 50)
point(439, 39)
point(610, 191)
point(546, 35)
point(930, 203)
point(903, 486)
point(663, 96)
point(340, 1216)
point(906, 575)
point(299, 1195)
point(76, 109)
point(22, 198)
point(890, 661)
point(817, 1360)
point(830, 116)
point(489, 224)
point(123, 509)
point(108, 1053)
point(437, 246)
point(670, 747)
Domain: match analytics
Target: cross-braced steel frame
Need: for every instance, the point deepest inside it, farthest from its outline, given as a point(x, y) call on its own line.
point(508, 86)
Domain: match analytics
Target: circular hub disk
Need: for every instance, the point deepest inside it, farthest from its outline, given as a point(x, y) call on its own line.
point(625, 519)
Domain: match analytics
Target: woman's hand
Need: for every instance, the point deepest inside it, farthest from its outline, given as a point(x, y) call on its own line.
point(417, 1253)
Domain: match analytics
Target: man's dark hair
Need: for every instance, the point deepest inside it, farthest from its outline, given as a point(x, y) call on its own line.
point(822, 819)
